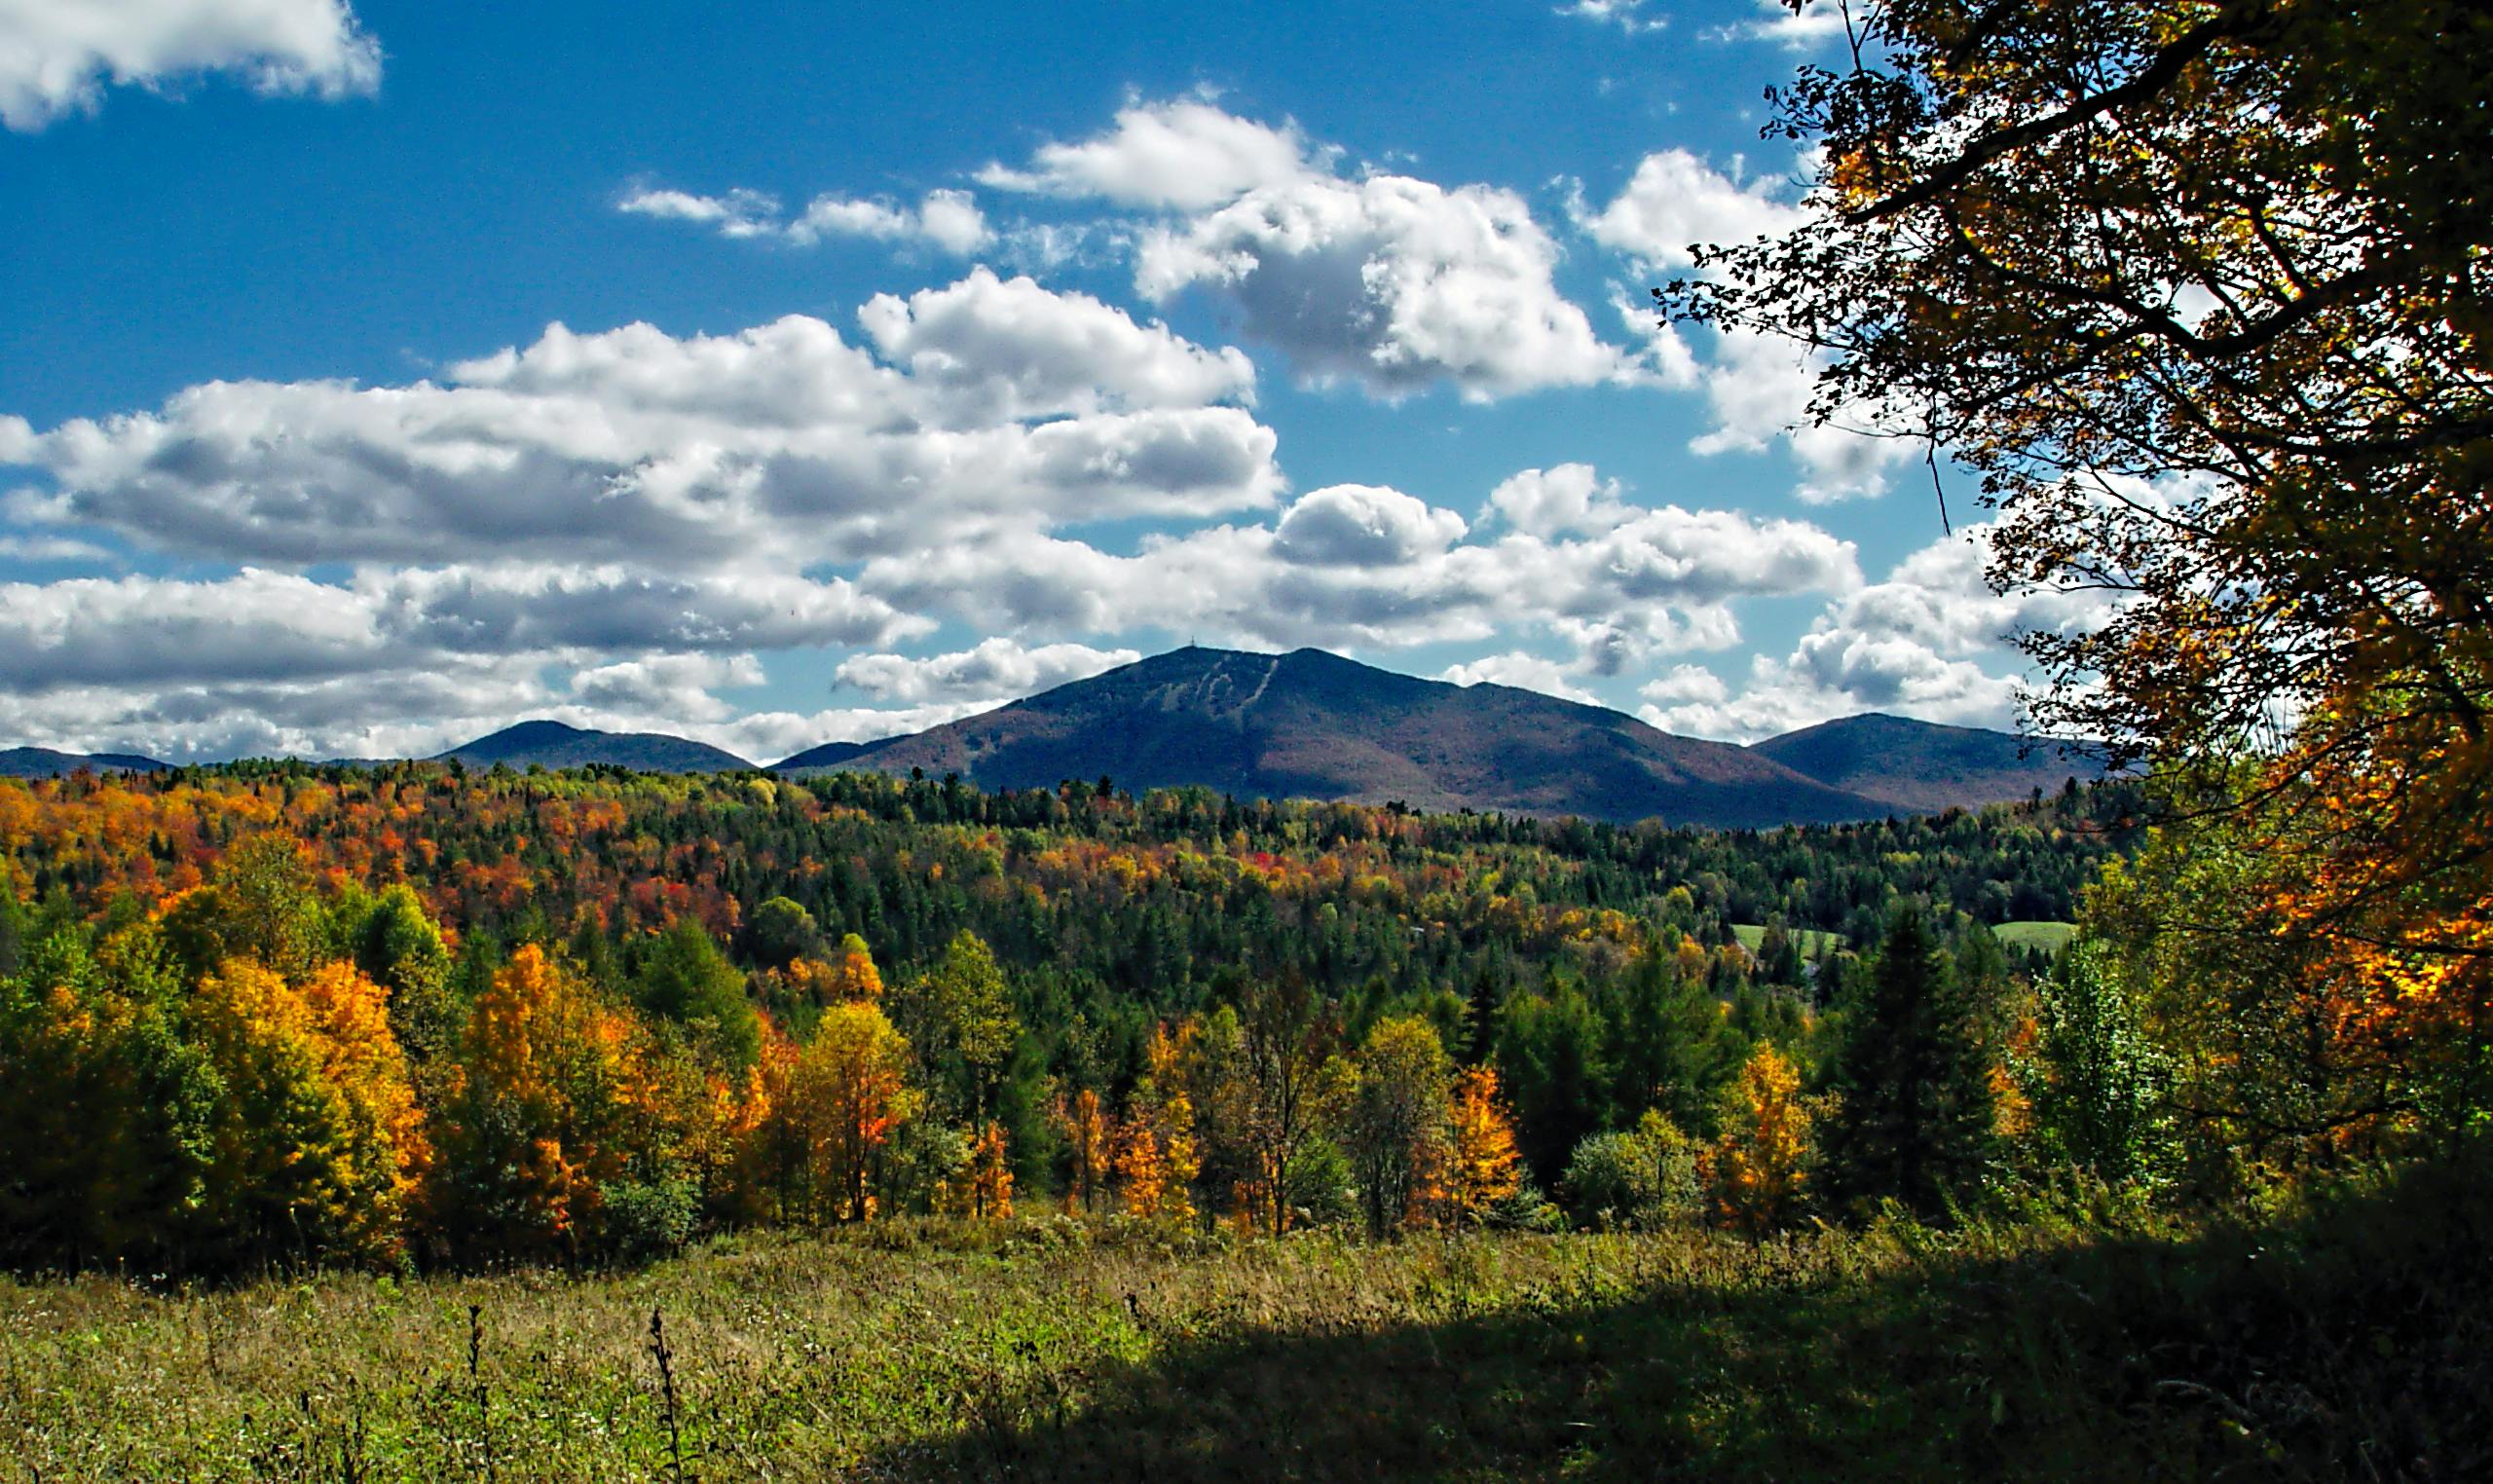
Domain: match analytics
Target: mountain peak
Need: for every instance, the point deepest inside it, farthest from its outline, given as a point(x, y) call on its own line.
point(558, 744)
point(1923, 765)
point(1312, 724)
point(533, 734)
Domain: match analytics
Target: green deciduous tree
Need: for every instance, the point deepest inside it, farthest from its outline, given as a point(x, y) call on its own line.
point(399, 946)
point(960, 1019)
point(105, 1115)
point(1393, 1119)
point(1646, 1176)
point(2097, 1083)
point(1285, 1083)
point(780, 932)
point(685, 978)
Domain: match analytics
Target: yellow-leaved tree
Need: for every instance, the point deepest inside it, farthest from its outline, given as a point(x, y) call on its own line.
point(983, 1190)
point(841, 1098)
point(1759, 1166)
point(317, 1143)
point(1390, 1120)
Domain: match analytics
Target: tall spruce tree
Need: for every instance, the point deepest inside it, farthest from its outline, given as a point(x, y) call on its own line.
point(1666, 1048)
point(1914, 1118)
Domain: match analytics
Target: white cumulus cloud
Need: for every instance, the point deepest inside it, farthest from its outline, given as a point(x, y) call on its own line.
point(996, 670)
point(1524, 672)
point(1627, 14)
point(1184, 155)
point(1024, 350)
point(1390, 283)
point(1676, 201)
point(684, 453)
point(1927, 641)
point(1359, 525)
point(57, 57)
point(738, 214)
point(1552, 501)
point(1383, 281)
point(1365, 566)
point(1815, 23)
point(644, 513)
point(947, 219)
point(1757, 387)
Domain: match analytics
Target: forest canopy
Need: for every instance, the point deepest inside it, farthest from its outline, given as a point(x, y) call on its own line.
point(424, 1013)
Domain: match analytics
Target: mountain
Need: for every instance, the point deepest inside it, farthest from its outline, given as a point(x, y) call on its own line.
point(1920, 766)
point(1316, 725)
point(555, 744)
point(830, 755)
point(44, 762)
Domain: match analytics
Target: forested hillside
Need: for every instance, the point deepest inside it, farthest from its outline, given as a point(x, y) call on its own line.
point(552, 744)
point(589, 1013)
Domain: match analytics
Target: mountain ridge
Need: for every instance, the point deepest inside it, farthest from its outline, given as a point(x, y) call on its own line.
point(45, 762)
point(1314, 725)
point(1311, 723)
point(1923, 766)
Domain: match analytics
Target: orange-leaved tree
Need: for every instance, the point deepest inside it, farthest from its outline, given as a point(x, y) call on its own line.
point(1156, 1159)
point(1482, 1165)
point(544, 1119)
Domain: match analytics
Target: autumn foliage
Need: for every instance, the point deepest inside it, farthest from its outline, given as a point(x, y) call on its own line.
point(1760, 1165)
point(1482, 1165)
point(269, 1014)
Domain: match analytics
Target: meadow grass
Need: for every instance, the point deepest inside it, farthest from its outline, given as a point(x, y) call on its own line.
point(2344, 1340)
point(2050, 936)
point(1813, 940)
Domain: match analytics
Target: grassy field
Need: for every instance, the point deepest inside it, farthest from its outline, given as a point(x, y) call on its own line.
point(1813, 940)
point(2348, 1340)
point(2050, 936)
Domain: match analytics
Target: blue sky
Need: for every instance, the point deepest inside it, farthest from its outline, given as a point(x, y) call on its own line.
point(373, 377)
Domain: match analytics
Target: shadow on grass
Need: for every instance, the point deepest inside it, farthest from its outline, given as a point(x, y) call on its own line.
point(2353, 1341)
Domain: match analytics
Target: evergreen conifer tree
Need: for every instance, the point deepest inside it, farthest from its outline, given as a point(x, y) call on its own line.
point(1914, 1119)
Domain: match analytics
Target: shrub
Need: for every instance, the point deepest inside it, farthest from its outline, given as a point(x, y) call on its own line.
point(1645, 1178)
point(647, 1220)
